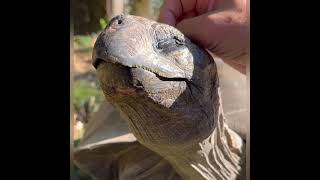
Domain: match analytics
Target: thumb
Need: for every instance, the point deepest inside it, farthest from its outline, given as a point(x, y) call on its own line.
point(223, 30)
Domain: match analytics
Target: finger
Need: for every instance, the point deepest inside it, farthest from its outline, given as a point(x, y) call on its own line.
point(215, 28)
point(173, 10)
point(221, 33)
point(167, 17)
point(190, 14)
point(170, 11)
point(204, 6)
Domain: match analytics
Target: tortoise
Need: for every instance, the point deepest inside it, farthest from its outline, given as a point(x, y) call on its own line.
point(171, 124)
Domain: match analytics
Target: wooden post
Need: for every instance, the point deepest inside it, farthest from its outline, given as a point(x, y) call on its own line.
point(114, 8)
point(144, 8)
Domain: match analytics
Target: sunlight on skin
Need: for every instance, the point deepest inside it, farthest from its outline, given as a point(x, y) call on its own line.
point(223, 26)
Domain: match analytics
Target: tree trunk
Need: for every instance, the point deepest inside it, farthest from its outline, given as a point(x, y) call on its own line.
point(87, 14)
point(144, 8)
point(114, 8)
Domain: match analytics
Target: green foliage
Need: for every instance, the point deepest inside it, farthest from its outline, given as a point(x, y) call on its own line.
point(83, 41)
point(83, 90)
point(103, 23)
point(156, 5)
point(130, 7)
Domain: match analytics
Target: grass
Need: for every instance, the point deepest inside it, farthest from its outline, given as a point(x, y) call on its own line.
point(84, 90)
point(83, 41)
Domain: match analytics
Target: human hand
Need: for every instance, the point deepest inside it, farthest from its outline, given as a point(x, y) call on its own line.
point(221, 26)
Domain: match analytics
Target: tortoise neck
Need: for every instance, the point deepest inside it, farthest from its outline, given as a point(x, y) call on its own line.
point(220, 156)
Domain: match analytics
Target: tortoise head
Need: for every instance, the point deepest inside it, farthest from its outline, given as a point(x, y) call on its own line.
point(165, 86)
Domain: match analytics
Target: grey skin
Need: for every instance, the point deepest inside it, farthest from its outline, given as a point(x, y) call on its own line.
point(167, 90)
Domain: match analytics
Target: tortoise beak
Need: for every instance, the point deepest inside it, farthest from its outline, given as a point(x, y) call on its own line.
point(129, 42)
point(103, 49)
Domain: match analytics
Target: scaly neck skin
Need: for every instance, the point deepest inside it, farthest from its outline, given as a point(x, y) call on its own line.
point(219, 157)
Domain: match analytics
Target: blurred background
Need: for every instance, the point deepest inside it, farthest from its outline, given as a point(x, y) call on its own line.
point(89, 18)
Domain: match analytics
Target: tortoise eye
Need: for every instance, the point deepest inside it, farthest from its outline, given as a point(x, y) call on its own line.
point(178, 40)
point(170, 44)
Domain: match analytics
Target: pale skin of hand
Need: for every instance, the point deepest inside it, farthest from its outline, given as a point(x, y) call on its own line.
point(220, 26)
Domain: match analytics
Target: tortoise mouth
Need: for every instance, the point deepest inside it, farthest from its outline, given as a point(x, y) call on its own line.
point(119, 80)
point(114, 60)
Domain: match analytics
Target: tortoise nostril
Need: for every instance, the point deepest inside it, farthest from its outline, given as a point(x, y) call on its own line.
point(119, 19)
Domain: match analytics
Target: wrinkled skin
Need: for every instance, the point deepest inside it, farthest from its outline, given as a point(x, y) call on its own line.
point(170, 92)
point(165, 86)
